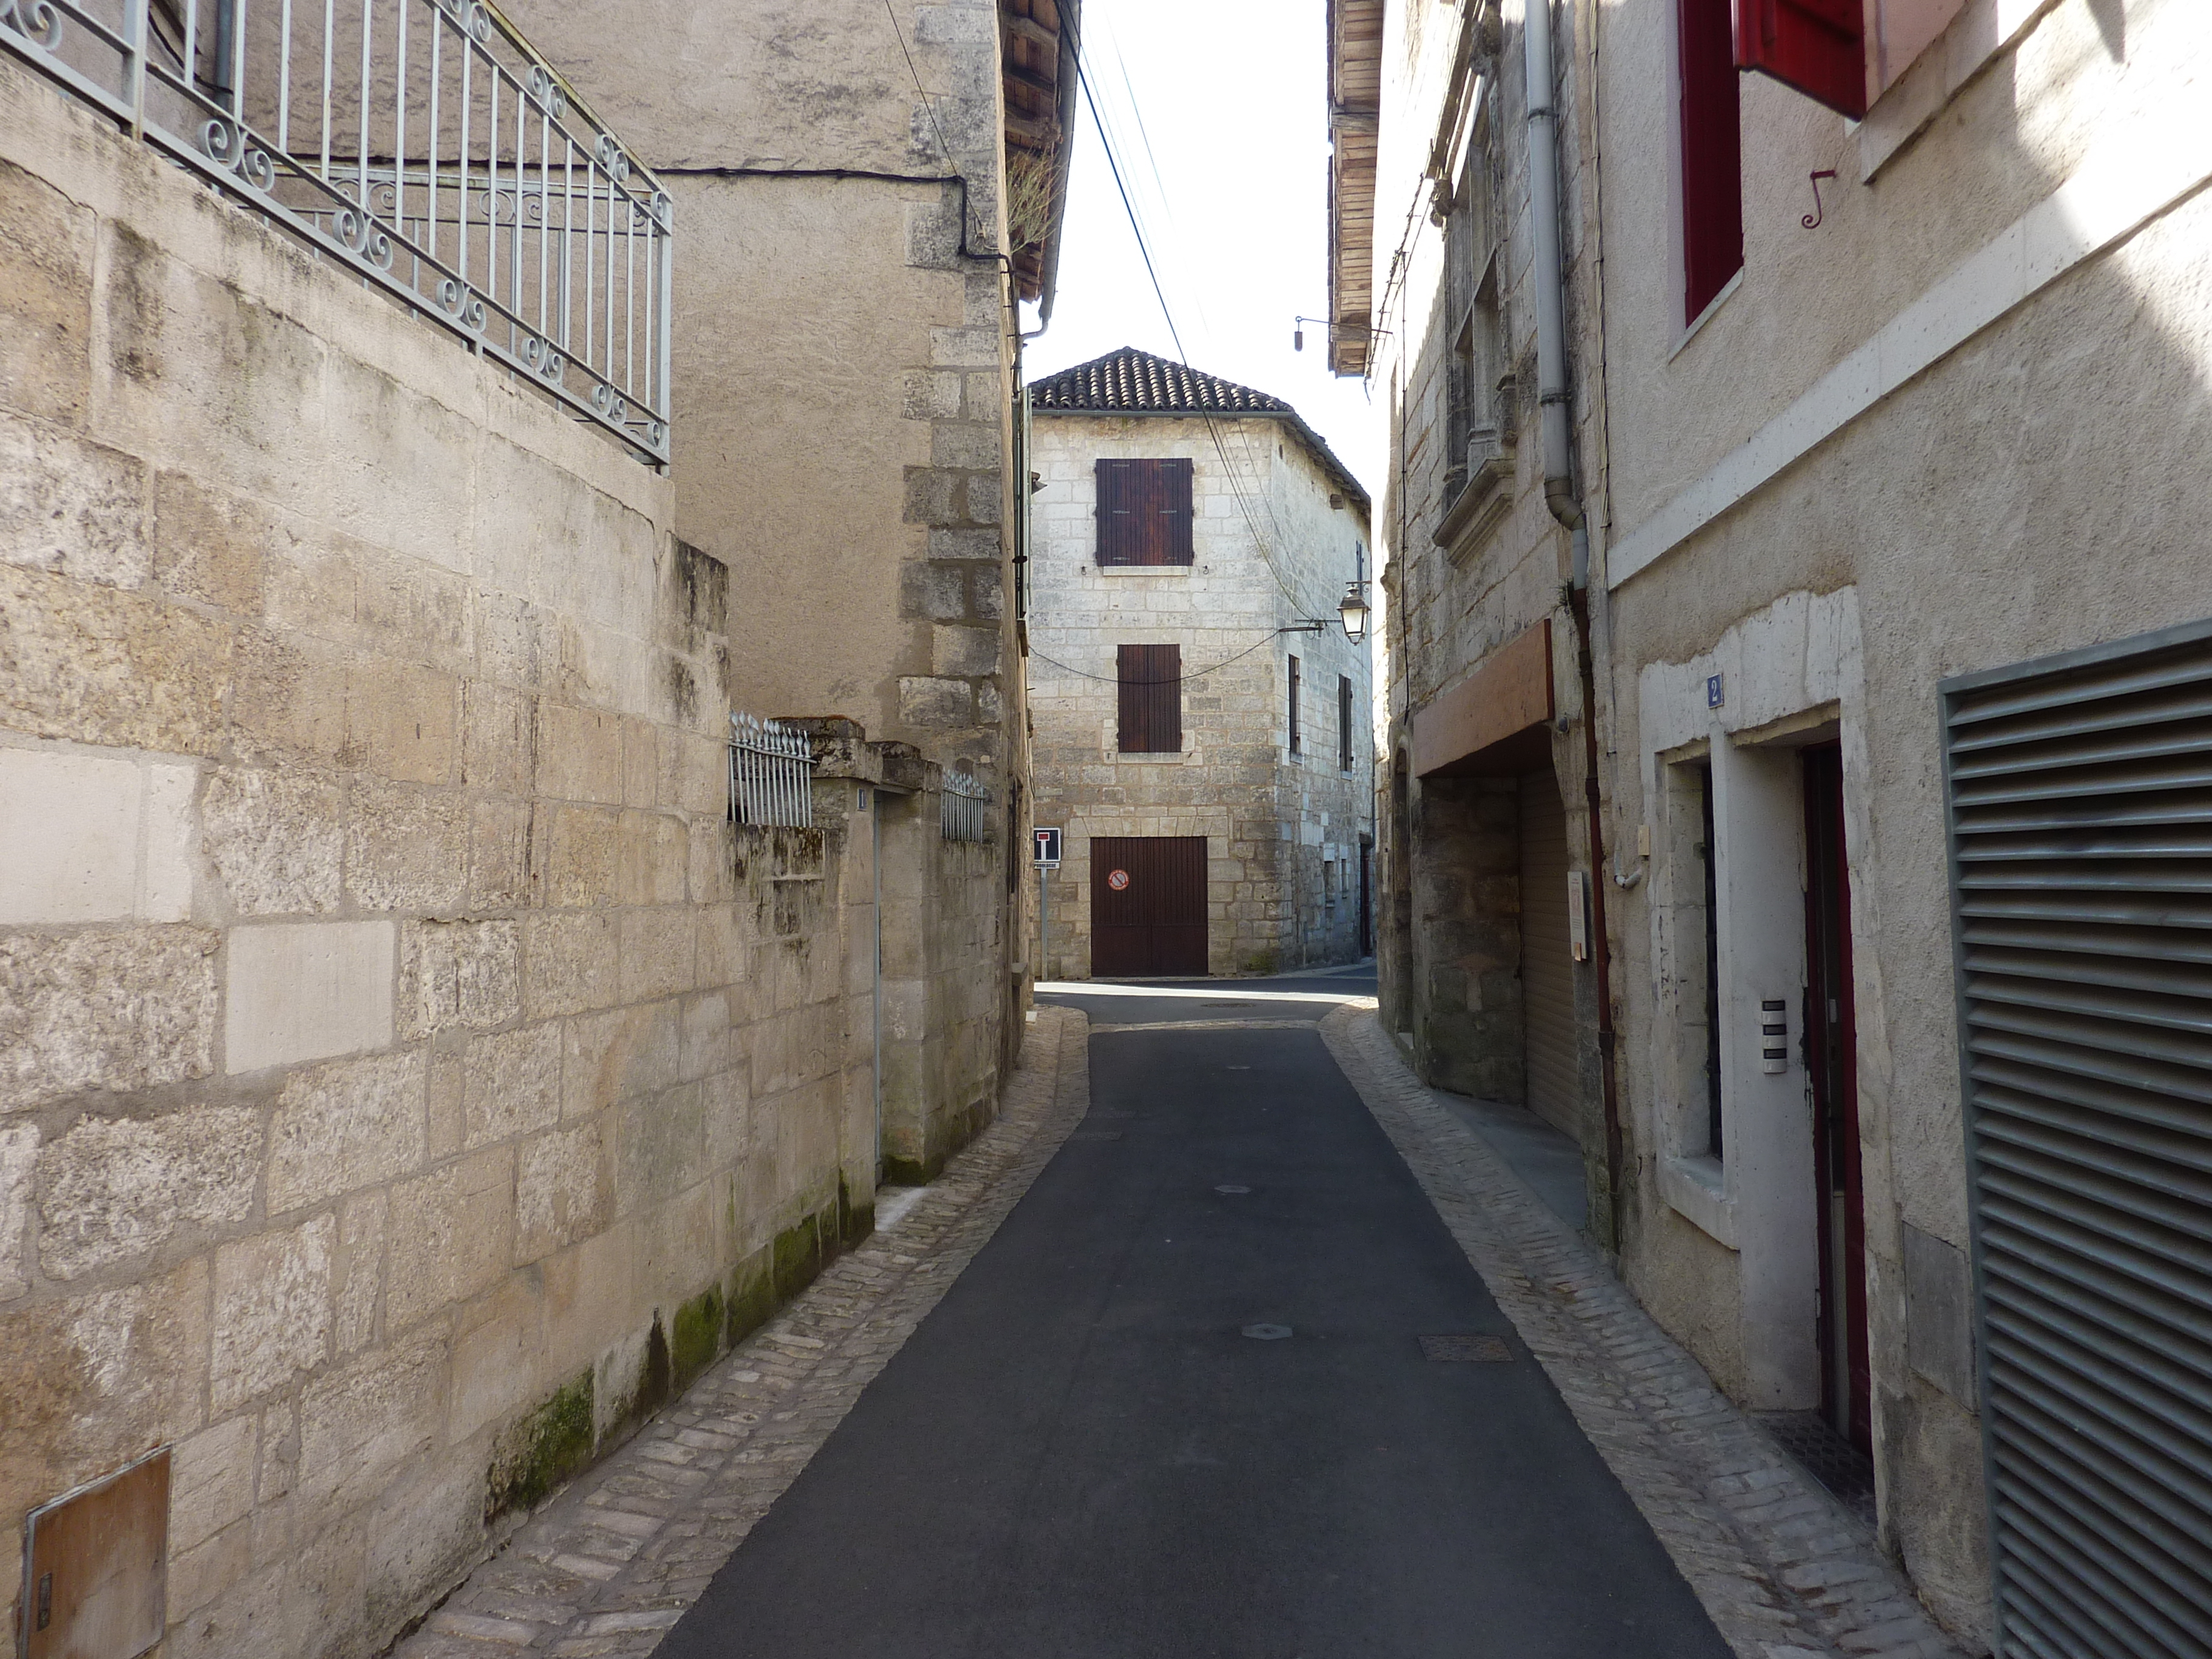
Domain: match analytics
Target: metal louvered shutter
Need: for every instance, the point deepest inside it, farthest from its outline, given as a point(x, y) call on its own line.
point(2081, 802)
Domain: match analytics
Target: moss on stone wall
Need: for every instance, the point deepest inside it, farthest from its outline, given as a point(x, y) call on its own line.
point(543, 1449)
point(697, 1334)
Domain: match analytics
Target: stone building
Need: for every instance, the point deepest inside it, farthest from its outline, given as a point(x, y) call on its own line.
point(426, 1040)
point(1202, 730)
point(1877, 384)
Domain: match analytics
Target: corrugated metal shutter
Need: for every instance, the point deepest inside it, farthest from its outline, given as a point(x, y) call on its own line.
point(2080, 800)
point(1548, 966)
point(1154, 923)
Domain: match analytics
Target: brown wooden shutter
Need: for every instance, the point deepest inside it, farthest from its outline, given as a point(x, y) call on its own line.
point(1816, 46)
point(1145, 512)
point(1344, 721)
point(1293, 704)
point(1151, 690)
point(1712, 152)
point(1119, 532)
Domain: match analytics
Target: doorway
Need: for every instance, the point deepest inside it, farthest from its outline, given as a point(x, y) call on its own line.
point(1148, 906)
point(1831, 1061)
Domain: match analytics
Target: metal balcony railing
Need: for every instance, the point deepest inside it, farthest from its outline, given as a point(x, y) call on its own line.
point(423, 143)
point(771, 773)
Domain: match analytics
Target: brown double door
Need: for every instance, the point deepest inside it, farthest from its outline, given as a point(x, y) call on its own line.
point(1147, 906)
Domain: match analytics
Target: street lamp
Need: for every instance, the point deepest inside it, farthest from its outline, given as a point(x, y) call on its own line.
point(1353, 611)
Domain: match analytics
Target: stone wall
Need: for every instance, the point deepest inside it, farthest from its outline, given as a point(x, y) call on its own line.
point(1283, 831)
point(407, 1075)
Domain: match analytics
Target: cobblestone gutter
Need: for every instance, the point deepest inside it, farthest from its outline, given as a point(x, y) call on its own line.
point(1785, 1571)
point(608, 1566)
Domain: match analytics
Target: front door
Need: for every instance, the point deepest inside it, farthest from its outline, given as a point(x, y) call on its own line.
point(1831, 1059)
point(1147, 906)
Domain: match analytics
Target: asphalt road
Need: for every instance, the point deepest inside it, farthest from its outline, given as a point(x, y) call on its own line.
point(1081, 1455)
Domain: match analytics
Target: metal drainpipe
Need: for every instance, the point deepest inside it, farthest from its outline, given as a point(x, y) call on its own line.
point(1560, 495)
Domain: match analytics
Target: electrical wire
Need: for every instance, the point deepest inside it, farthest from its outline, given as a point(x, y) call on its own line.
point(1167, 314)
point(1179, 679)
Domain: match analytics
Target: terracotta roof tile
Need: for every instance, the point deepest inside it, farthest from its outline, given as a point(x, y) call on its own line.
point(1132, 382)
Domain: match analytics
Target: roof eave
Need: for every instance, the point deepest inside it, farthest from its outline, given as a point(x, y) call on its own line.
point(1313, 440)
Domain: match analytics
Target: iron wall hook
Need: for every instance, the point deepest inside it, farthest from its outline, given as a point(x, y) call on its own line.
point(1812, 220)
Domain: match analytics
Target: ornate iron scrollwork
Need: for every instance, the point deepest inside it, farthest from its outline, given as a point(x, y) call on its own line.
point(36, 21)
point(229, 143)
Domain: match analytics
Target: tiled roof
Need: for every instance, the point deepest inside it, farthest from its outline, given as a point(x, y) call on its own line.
point(1132, 382)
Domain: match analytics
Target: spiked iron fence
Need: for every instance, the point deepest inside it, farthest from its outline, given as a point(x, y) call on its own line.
point(423, 143)
point(771, 773)
point(963, 810)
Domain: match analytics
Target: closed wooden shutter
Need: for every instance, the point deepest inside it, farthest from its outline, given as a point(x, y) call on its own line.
point(1712, 152)
point(1291, 703)
point(1151, 688)
point(1816, 46)
point(1145, 512)
point(2081, 806)
point(1344, 722)
point(1548, 966)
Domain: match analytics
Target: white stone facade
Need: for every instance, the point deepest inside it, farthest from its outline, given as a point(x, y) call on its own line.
point(1286, 833)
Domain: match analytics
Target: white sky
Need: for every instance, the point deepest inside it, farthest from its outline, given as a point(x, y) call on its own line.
point(1233, 196)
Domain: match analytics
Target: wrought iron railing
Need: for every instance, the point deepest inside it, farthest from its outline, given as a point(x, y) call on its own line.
point(963, 808)
point(771, 773)
point(423, 142)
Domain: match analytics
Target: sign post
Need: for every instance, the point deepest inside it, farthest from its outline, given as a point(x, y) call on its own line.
point(1044, 846)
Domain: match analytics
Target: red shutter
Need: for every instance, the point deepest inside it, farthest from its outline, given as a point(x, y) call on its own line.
point(1816, 46)
point(1150, 698)
point(1712, 154)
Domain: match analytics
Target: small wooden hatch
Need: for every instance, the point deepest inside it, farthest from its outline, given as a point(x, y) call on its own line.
point(95, 1567)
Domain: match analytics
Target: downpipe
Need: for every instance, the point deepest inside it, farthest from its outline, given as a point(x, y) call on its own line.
point(1556, 405)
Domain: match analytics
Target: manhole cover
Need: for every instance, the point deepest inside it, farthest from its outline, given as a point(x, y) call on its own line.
point(1267, 1333)
point(1109, 1117)
point(1097, 1134)
point(1466, 1348)
point(1233, 1190)
point(1228, 1004)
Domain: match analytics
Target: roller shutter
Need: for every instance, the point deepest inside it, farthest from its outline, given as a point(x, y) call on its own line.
point(1547, 968)
point(2081, 802)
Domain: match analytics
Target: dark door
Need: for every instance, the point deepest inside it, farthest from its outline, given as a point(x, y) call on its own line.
point(1147, 905)
point(1831, 1058)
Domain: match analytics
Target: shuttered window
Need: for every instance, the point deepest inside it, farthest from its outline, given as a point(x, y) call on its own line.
point(1150, 698)
point(1144, 512)
point(1816, 46)
point(1712, 154)
point(1293, 706)
point(1344, 722)
point(2080, 801)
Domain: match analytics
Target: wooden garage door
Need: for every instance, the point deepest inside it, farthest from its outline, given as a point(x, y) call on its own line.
point(1147, 905)
point(1547, 969)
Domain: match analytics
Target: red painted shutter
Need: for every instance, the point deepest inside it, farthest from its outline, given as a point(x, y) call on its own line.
point(1712, 154)
point(1816, 46)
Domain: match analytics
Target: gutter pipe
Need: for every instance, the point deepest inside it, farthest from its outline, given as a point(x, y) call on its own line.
point(1556, 402)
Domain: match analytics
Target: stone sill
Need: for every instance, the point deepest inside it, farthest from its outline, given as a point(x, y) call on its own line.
point(1157, 758)
point(1147, 569)
point(1696, 1188)
point(1482, 502)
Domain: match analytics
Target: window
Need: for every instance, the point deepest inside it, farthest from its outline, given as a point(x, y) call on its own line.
point(1294, 705)
point(1712, 154)
point(1150, 679)
point(1144, 512)
point(1481, 384)
point(1344, 721)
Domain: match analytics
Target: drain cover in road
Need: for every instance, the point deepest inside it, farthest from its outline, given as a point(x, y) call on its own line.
point(1097, 1134)
point(1267, 1333)
point(1233, 1190)
point(1466, 1348)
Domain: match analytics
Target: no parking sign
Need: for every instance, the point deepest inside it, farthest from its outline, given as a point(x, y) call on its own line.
point(1118, 880)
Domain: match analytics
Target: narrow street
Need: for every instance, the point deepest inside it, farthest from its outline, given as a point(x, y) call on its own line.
point(1179, 1405)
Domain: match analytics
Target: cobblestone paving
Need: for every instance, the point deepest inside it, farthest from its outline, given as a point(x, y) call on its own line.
point(1783, 1570)
point(608, 1566)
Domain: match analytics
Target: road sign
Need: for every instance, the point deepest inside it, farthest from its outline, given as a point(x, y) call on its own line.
point(1045, 850)
point(1118, 880)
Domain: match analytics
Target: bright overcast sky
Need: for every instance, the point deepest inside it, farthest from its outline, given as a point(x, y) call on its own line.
point(1232, 193)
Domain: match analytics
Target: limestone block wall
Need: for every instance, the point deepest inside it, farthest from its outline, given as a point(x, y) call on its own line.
point(407, 1076)
point(1282, 831)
